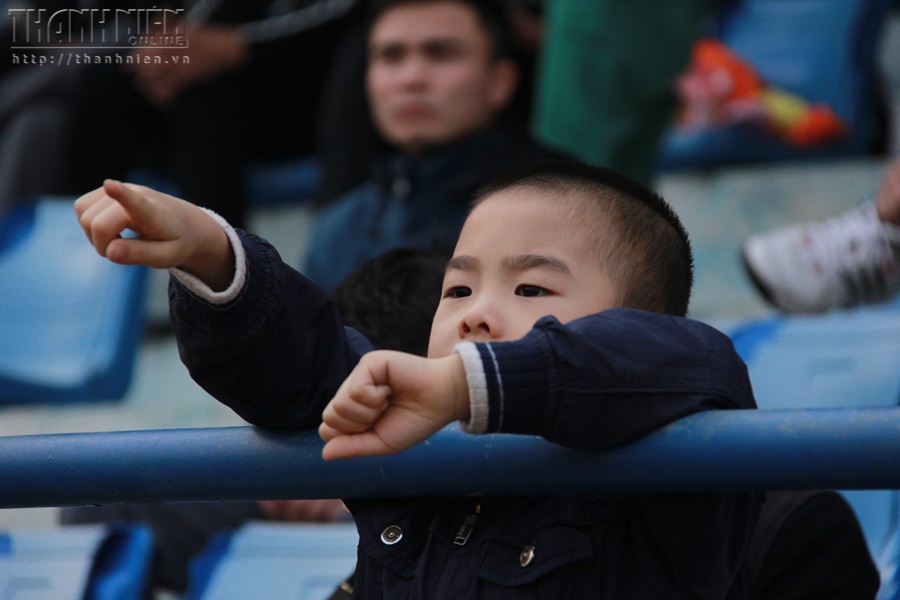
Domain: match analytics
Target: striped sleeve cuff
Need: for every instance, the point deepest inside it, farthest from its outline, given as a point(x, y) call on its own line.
point(478, 393)
point(499, 371)
point(200, 289)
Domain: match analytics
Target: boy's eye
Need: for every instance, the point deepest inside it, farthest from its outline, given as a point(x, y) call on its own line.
point(530, 291)
point(458, 292)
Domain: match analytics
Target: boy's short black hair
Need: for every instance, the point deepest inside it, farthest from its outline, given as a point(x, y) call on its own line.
point(391, 299)
point(645, 249)
point(491, 13)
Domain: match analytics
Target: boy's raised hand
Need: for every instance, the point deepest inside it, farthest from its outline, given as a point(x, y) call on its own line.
point(170, 232)
point(392, 401)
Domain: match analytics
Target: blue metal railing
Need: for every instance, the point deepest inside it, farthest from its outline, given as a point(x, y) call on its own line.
point(715, 451)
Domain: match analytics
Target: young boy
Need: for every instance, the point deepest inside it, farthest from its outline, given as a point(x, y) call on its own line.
point(531, 336)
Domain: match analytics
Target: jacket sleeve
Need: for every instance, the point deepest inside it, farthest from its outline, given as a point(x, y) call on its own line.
point(602, 380)
point(276, 353)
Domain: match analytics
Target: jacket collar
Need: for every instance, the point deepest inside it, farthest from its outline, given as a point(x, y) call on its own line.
point(401, 176)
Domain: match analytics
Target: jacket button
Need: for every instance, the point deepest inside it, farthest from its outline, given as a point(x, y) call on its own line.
point(391, 535)
point(527, 556)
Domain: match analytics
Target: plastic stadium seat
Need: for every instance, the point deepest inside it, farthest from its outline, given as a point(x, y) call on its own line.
point(847, 359)
point(89, 562)
point(821, 50)
point(844, 359)
point(283, 182)
point(269, 560)
point(70, 321)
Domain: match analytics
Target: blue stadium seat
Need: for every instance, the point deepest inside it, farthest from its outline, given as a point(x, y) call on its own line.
point(283, 182)
point(70, 321)
point(93, 562)
point(843, 359)
point(275, 560)
point(821, 50)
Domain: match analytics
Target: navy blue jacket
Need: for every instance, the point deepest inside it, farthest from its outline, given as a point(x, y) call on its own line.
point(277, 353)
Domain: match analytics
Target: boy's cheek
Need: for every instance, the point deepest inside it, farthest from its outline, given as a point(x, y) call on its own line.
point(443, 335)
point(437, 349)
point(441, 343)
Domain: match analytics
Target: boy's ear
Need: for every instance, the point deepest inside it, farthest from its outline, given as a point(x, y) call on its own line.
point(504, 83)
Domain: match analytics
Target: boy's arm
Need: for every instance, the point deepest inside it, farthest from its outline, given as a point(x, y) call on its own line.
point(274, 349)
point(595, 383)
point(276, 353)
point(603, 380)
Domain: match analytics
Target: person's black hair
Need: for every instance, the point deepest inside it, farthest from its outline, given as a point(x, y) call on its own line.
point(642, 242)
point(391, 299)
point(492, 14)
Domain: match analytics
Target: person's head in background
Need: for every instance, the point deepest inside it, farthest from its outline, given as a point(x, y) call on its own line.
point(391, 299)
point(564, 239)
point(438, 70)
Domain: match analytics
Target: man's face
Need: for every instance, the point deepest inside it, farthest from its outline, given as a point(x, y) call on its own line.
point(431, 77)
point(518, 258)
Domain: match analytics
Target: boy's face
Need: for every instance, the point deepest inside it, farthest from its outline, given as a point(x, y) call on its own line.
point(518, 258)
point(431, 77)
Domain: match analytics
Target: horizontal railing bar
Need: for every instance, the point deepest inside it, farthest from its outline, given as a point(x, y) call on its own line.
point(713, 451)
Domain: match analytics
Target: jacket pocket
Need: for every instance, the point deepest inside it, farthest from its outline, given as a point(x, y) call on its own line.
point(550, 552)
point(394, 533)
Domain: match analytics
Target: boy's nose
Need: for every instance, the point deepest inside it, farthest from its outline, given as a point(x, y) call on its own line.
point(470, 329)
point(476, 325)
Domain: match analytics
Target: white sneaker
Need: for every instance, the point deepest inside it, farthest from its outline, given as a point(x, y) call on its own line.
point(853, 258)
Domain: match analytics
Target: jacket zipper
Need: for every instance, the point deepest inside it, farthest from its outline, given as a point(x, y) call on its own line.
point(462, 536)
